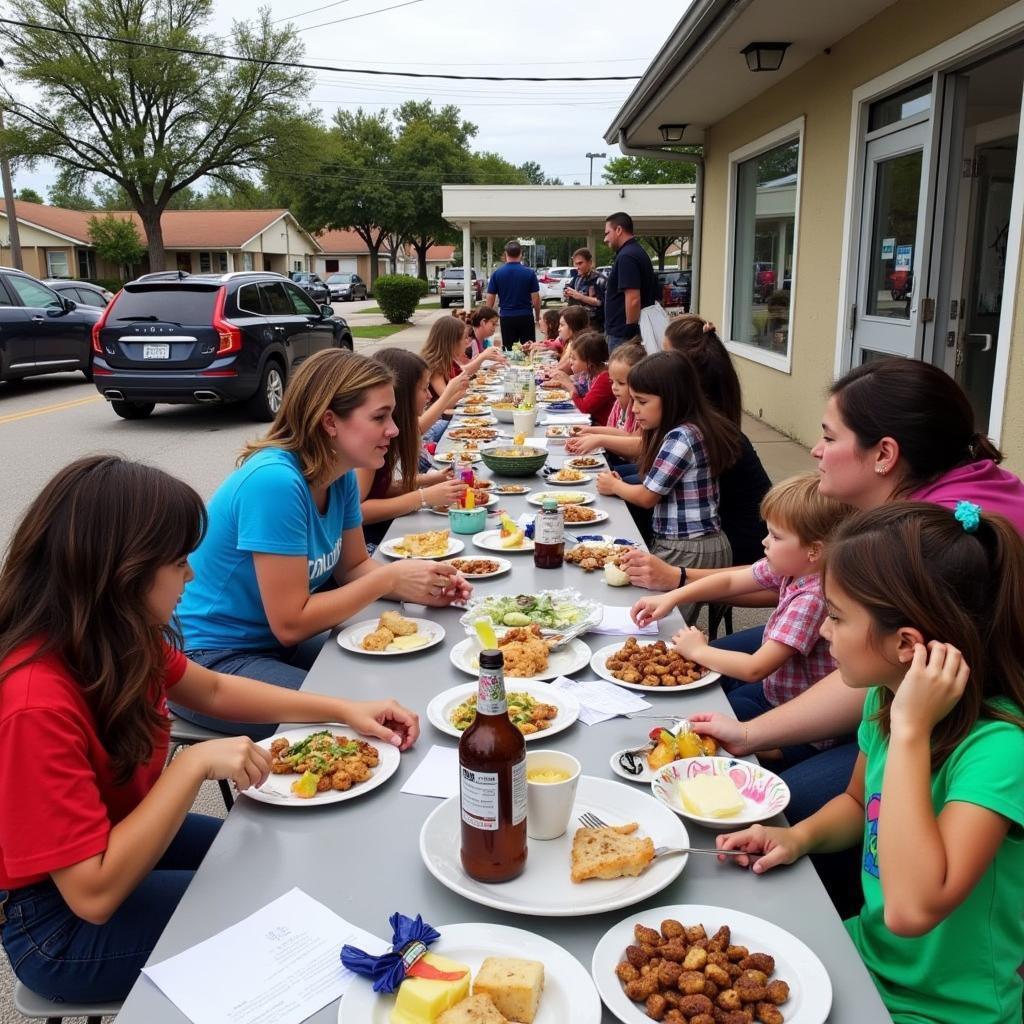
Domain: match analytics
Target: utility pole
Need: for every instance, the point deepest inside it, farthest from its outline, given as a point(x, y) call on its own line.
point(591, 157)
point(12, 216)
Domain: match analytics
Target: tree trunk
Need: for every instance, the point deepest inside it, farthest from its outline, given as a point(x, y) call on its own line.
point(421, 259)
point(150, 217)
point(374, 258)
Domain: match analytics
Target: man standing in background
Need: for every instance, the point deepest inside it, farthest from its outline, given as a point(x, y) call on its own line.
point(587, 287)
point(631, 283)
point(517, 293)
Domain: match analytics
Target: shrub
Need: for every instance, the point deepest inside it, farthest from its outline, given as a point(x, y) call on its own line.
point(112, 284)
point(397, 295)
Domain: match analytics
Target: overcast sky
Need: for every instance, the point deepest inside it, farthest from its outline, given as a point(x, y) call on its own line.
point(551, 123)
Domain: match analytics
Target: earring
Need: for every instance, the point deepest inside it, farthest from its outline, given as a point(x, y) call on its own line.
point(881, 470)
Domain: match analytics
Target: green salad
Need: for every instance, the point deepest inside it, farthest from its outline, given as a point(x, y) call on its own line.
point(526, 609)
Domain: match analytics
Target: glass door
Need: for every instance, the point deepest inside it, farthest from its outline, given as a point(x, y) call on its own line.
point(892, 262)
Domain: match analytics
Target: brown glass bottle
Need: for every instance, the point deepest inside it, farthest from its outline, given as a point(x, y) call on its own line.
point(492, 782)
point(549, 536)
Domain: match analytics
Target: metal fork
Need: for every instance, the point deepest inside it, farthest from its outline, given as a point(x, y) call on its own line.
point(588, 820)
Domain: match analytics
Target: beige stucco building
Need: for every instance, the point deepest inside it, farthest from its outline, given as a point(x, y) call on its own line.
point(865, 198)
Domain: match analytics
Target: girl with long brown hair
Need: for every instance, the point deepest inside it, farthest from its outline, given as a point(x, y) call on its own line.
point(481, 325)
point(97, 844)
point(685, 446)
point(925, 606)
point(285, 560)
point(398, 488)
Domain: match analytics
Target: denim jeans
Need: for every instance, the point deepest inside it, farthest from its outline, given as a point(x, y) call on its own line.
point(282, 666)
point(61, 957)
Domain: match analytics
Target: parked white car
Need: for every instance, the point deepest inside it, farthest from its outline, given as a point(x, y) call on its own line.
point(552, 283)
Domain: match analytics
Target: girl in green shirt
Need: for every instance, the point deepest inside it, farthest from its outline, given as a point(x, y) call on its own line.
point(925, 612)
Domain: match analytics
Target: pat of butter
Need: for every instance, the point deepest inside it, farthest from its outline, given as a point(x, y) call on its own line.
point(711, 796)
point(407, 643)
point(546, 775)
point(422, 1000)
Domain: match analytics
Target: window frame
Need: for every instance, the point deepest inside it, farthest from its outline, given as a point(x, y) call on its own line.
point(62, 254)
point(789, 132)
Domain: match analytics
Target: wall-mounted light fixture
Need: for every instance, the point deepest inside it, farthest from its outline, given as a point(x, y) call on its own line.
point(764, 56)
point(672, 132)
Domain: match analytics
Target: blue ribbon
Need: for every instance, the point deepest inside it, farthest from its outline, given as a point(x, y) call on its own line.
point(409, 940)
point(968, 515)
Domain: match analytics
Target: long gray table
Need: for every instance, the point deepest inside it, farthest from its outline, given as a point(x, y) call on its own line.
point(362, 858)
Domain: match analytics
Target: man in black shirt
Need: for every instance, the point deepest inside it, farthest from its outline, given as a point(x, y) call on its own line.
point(631, 283)
point(587, 287)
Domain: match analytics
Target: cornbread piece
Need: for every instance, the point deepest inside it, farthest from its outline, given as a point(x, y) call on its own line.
point(609, 852)
point(479, 1009)
point(377, 640)
point(514, 985)
point(423, 1000)
point(711, 796)
point(398, 624)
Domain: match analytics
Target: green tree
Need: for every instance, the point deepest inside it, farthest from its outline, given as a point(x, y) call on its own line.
point(535, 174)
point(432, 146)
point(353, 187)
point(650, 170)
point(492, 169)
point(69, 192)
point(151, 122)
point(117, 241)
point(28, 195)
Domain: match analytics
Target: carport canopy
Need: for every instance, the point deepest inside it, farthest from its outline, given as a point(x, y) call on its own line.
point(486, 213)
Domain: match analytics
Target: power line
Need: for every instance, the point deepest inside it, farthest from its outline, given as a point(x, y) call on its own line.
point(356, 17)
point(76, 34)
point(312, 10)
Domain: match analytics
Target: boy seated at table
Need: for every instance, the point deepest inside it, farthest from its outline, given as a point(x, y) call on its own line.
point(793, 654)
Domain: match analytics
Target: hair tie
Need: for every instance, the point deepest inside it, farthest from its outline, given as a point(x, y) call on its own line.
point(968, 515)
point(709, 327)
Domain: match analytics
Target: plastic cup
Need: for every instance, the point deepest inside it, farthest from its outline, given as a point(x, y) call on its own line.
point(549, 804)
point(524, 421)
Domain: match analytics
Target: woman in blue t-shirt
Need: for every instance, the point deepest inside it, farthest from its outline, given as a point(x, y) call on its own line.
point(284, 560)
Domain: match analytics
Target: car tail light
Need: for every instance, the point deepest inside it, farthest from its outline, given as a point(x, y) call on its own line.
point(548, 280)
point(441, 284)
point(230, 336)
point(97, 345)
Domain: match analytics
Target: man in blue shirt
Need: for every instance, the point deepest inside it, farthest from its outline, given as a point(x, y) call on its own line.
point(631, 283)
point(515, 287)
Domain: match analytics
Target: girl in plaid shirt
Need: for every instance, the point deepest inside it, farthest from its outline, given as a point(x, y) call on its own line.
point(685, 446)
point(793, 655)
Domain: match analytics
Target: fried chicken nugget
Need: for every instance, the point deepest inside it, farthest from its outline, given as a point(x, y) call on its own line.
point(377, 640)
point(768, 1013)
point(778, 991)
point(655, 1006)
point(398, 624)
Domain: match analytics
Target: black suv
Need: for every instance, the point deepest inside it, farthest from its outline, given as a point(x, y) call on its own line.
point(182, 338)
point(313, 284)
point(41, 331)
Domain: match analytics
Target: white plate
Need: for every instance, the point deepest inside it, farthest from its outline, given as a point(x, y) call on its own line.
point(490, 540)
point(483, 405)
point(571, 463)
point(447, 458)
point(545, 888)
point(277, 790)
point(538, 498)
point(587, 478)
point(563, 662)
point(461, 417)
point(388, 548)
point(492, 499)
point(810, 989)
point(764, 793)
point(644, 777)
point(518, 494)
point(570, 996)
point(503, 566)
point(597, 663)
point(349, 638)
point(600, 516)
point(440, 708)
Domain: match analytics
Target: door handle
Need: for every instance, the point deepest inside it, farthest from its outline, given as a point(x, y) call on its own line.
point(985, 343)
point(38, 319)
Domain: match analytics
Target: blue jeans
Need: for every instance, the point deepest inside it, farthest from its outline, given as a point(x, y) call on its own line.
point(436, 432)
point(282, 666)
point(61, 957)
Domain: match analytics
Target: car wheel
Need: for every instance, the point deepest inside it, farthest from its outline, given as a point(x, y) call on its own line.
point(445, 303)
point(133, 410)
point(264, 404)
point(87, 370)
point(345, 341)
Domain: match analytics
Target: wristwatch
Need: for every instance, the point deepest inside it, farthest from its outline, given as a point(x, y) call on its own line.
point(682, 576)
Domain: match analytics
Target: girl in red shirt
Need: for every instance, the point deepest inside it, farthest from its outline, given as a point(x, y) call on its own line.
point(97, 844)
point(591, 389)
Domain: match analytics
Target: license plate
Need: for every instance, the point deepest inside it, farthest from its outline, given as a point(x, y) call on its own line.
point(156, 351)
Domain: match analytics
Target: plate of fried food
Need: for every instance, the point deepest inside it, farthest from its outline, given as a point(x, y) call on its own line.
point(321, 764)
point(430, 544)
point(720, 792)
point(475, 421)
point(574, 515)
point(507, 490)
point(480, 568)
point(390, 635)
point(586, 870)
point(584, 462)
point(472, 407)
point(472, 433)
point(553, 395)
point(528, 655)
point(561, 498)
point(514, 975)
point(716, 965)
point(598, 550)
point(461, 457)
point(649, 665)
point(534, 708)
point(566, 476)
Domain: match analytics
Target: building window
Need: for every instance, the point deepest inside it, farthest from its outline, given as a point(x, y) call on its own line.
point(765, 199)
point(296, 264)
point(330, 266)
point(85, 265)
point(247, 263)
point(909, 102)
point(204, 263)
point(222, 262)
point(57, 263)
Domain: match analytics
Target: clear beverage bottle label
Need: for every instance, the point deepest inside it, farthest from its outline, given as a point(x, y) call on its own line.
point(490, 695)
point(519, 792)
point(548, 528)
point(478, 798)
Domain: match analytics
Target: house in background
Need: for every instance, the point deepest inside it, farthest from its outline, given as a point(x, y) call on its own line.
point(55, 242)
point(862, 198)
point(345, 252)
